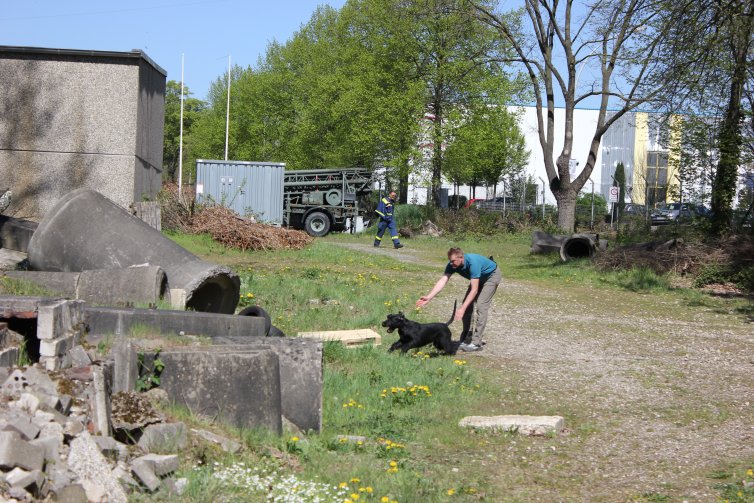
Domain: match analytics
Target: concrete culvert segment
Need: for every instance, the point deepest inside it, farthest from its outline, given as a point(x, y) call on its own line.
point(86, 231)
point(577, 246)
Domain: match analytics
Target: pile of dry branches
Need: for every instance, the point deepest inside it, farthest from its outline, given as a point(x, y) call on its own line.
point(678, 256)
point(224, 225)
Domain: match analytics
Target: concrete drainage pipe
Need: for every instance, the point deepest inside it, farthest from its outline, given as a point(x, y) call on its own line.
point(86, 231)
point(578, 246)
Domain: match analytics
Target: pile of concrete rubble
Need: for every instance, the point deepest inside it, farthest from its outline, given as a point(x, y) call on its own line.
point(65, 435)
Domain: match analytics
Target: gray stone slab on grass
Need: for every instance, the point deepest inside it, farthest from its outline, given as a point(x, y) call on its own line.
point(110, 320)
point(240, 389)
point(301, 375)
point(525, 425)
point(225, 443)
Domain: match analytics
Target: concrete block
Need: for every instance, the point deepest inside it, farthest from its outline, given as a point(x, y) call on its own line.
point(57, 318)
point(104, 321)
point(16, 233)
point(51, 446)
point(301, 374)
point(21, 424)
point(22, 479)
point(80, 357)
point(73, 493)
point(126, 370)
point(242, 390)
point(525, 425)
point(144, 472)
point(163, 438)
point(53, 348)
point(8, 357)
point(14, 451)
point(100, 399)
point(162, 464)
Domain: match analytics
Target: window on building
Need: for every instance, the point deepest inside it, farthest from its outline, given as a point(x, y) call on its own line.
point(657, 178)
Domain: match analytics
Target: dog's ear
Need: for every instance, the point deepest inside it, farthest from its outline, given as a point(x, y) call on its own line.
point(400, 313)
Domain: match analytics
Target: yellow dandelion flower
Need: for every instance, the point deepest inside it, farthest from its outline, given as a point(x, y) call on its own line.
point(451, 492)
point(347, 500)
point(384, 499)
point(362, 489)
point(295, 439)
point(393, 464)
point(369, 489)
point(355, 480)
point(750, 472)
point(355, 496)
point(343, 484)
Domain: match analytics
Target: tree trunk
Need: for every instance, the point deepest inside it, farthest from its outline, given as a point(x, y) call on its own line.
point(566, 198)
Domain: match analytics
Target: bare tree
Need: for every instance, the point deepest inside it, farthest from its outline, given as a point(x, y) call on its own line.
point(623, 41)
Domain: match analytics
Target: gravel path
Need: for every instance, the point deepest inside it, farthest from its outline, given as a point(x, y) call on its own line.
point(657, 395)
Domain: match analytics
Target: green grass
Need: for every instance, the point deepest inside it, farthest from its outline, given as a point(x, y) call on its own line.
point(390, 421)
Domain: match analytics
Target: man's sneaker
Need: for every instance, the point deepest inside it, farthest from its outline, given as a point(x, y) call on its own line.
point(398, 246)
point(469, 348)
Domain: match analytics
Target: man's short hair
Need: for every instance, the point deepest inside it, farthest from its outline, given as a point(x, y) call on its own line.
point(454, 251)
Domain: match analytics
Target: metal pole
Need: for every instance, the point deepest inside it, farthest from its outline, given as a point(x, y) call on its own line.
point(227, 113)
point(591, 226)
point(503, 180)
point(180, 143)
point(543, 196)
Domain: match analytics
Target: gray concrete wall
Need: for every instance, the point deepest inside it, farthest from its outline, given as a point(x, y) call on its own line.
point(72, 119)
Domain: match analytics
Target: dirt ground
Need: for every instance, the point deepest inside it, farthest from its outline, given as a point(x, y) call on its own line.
point(658, 395)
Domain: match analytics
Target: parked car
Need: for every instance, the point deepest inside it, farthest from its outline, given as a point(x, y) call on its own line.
point(673, 213)
point(634, 209)
point(472, 201)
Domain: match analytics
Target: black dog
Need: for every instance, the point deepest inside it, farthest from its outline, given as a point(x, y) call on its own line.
point(415, 335)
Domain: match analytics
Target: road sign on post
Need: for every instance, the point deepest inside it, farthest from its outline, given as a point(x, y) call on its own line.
point(614, 191)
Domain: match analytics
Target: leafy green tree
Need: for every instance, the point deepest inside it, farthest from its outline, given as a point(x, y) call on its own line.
point(487, 146)
point(192, 110)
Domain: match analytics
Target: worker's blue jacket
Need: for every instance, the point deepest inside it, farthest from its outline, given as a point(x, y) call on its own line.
point(385, 209)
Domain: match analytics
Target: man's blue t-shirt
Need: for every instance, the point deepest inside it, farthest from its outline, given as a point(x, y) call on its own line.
point(474, 266)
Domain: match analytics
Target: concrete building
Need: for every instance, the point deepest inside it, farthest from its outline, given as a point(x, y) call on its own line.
point(74, 118)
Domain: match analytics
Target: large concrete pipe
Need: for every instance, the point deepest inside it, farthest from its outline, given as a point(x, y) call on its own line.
point(542, 242)
point(578, 246)
point(104, 287)
point(86, 231)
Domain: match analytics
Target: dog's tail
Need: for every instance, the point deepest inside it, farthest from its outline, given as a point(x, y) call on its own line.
point(455, 304)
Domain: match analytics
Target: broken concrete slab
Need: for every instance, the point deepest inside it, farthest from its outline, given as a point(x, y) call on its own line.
point(225, 444)
point(525, 425)
point(301, 375)
point(116, 239)
point(241, 389)
point(126, 369)
point(15, 451)
point(104, 321)
point(163, 438)
point(109, 287)
point(15, 233)
point(93, 471)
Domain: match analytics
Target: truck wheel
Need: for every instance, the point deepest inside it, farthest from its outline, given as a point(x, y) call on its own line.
point(317, 224)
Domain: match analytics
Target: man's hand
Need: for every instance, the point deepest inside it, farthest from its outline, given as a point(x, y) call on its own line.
point(422, 301)
point(459, 314)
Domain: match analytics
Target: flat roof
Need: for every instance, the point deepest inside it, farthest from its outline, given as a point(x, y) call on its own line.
point(133, 54)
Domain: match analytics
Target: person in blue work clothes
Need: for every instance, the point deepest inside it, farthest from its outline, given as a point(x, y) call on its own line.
point(385, 211)
point(484, 277)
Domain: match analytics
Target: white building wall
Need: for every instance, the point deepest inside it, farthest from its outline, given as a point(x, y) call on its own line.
point(585, 122)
